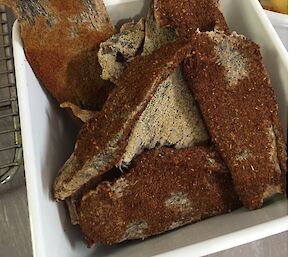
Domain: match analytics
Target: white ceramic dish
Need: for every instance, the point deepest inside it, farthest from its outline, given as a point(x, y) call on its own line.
point(48, 137)
point(280, 23)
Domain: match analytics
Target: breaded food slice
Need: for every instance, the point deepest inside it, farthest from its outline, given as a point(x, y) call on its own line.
point(156, 35)
point(164, 189)
point(116, 52)
point(234, 92)
point(61, 40)
point(103, 139)
point(186, 16)
point(171, 117)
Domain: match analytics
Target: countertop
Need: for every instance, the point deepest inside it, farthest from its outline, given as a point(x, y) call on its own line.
point(15, 240)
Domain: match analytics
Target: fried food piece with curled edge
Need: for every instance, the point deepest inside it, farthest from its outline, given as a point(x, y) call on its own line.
point(61, 40)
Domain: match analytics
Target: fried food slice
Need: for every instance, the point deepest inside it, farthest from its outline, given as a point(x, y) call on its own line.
point(236, 98)
point(116, 52)
point(61, 40)
point(164, 189)
point(186, 16)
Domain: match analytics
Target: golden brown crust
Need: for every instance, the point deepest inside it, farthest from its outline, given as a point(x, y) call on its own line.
point(186, 16)
point(164, 189)
point(102, 140)
point(61, 43)
point(241, 114)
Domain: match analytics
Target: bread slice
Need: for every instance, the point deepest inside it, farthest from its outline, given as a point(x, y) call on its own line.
point(103, 139)
point(175, 119)
point(230, 83)
point(186, 16)
point(156, 35)
point(61, 40)
point(116, 52)
point(164, 189)
point(171, 117)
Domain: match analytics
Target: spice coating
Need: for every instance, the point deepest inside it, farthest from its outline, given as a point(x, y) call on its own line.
point(186, 16)
point(164, 189)
point(242, 119)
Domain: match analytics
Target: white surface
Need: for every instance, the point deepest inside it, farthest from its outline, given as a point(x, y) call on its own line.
point(48, 137)
point(280, 23)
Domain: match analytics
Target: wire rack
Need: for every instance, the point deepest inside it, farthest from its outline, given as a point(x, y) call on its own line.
point(10, 133)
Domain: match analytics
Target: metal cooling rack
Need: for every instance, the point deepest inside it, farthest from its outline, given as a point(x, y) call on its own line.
point(10, 133)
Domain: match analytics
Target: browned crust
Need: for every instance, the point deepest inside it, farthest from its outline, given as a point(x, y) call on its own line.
point(102, 140)
point(61, 40)
point(186, 16)
point(127, 101)
point(239, 118)
point(280, 142)
point(197, 174)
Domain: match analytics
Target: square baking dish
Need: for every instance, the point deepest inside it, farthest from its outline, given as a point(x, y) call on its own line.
point(49, 134)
